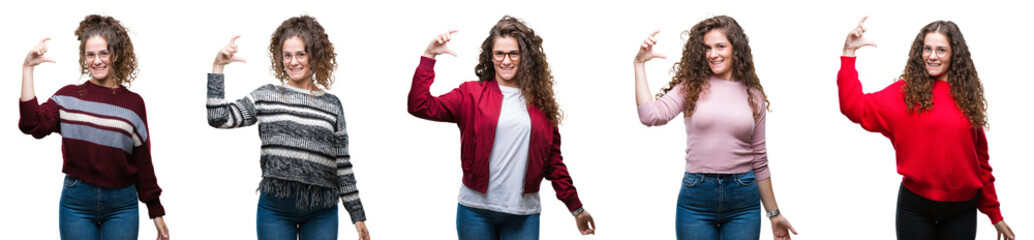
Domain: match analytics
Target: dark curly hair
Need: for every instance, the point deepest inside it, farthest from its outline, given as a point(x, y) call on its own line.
point(693, 71)
point(123, 60)
point(322, 59)
point(966, 89)
point(533, 75)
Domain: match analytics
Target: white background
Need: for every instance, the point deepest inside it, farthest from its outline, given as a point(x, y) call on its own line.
point(832, 179)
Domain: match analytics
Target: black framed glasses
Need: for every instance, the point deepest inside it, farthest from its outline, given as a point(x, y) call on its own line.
point(498, 56)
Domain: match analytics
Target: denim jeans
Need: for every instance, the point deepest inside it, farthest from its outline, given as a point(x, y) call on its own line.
point(91, 212)
point(481, 224)
point(279, 218)
point(718, 206)
point(921, 218)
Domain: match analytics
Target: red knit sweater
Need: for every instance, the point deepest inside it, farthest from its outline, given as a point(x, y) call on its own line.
point(940, 154)
point(105, 140)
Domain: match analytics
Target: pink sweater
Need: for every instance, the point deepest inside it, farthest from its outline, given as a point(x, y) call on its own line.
point(721, 134)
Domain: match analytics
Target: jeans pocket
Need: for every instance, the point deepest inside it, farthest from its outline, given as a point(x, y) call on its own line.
point(71, 181)
point(689, 180)
point(747, 179)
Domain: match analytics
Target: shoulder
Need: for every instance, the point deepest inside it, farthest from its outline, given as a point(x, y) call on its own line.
point(68, 90)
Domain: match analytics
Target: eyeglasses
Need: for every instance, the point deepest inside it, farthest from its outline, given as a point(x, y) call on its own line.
point(300, 57)
point(941, 52)
point(498, 56)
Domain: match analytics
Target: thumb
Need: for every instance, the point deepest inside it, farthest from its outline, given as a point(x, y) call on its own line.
point(868, 43)
point(238, 59)
point(661, 56)
point(46, 59)
point(449, 51)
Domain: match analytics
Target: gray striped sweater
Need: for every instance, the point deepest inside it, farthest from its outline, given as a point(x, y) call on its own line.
point(304, 142)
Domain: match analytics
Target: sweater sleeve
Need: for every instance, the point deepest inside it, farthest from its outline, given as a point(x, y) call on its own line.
point(347, 189)
point(757, 143)
point(988, 202)
point(556, 173)
point(38, 120)
point(421, 104)
point(147, 188)
point(664, 109)
point(226, 114)
point(859, 107)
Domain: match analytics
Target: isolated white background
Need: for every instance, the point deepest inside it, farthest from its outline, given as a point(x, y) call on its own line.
point(832, 179)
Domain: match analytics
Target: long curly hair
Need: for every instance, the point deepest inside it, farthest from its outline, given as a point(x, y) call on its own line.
point(693, 71)
point(533, 75)
point(322, 59)
point(123, 59)
point(966, 89)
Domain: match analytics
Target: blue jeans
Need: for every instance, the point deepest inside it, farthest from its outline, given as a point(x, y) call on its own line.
point(481, 224)
point(279, 218)
point(91, 212)
point(718, 206)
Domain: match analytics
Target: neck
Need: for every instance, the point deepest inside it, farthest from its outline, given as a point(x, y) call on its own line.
point(303, 84)
point(506, 83)
point(942, 77)
point(104, 82)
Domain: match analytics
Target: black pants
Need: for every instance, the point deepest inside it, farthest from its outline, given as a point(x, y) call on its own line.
point(921, 218)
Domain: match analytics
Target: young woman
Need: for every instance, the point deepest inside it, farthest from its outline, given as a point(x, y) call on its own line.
point(510, 140)
point(104, 136)
point(935, 117)
point(719, 94)
point(305, 163)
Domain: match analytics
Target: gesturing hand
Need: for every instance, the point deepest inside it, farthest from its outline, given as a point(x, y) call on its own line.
point(646, 49)
point(855, 40)
point(226, 56)
point(163, 230)
point(438, 47)
point(781, 228)
point(35, 57)
point(360, 227)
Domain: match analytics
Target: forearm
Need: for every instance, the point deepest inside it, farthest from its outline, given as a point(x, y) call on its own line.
point(642, 88)
point(767, 195)
point(28, 91)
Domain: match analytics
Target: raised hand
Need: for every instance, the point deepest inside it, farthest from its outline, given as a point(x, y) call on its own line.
point(781, 228)
point(585, 224)
point(1004, 231)
point(646, 49)
point(855, 40)
point(35, 56)
point(226, 56)
point(438, 47)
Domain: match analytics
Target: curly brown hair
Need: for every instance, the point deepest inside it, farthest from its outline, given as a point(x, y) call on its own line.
point(533, 75)
point(693, 71)
point(966, 89)
point(322, 59)
point(123, 60)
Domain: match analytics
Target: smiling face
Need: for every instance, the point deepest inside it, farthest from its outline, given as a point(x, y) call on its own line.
point(506, 68)
point(97, 57)
point(296, 59)
point(936, 55)
point(718, 51)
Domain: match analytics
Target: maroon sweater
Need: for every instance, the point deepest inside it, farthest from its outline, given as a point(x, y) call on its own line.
point(475, 107)
point(105, 140)
point(940, 154)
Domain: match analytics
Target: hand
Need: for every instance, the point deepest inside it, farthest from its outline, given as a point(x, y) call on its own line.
point(438, 47)
point(35, 56)
point(360, 227)
point(855, 40)
point(1004, 231)
point(585, 224)
point(780, 226)
point(646, 49)
point(163, 231)
point(226, 56)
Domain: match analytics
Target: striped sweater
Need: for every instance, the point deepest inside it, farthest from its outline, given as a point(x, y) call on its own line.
point(104, 137)
point(304, 142)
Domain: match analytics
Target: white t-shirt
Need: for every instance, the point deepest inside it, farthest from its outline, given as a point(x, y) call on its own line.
point(507, 163)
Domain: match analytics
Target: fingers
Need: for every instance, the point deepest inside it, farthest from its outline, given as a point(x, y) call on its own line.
point(863, 21)
point(791, 228)
point(44, 41)
point(234, 39)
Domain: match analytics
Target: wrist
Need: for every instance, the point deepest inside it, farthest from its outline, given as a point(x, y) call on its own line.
point(429, 55)
point(848, 52)
point(580, 210)
point(773, 213)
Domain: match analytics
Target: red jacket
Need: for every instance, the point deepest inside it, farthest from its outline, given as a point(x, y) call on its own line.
point(475, 106)
point(940, 154)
